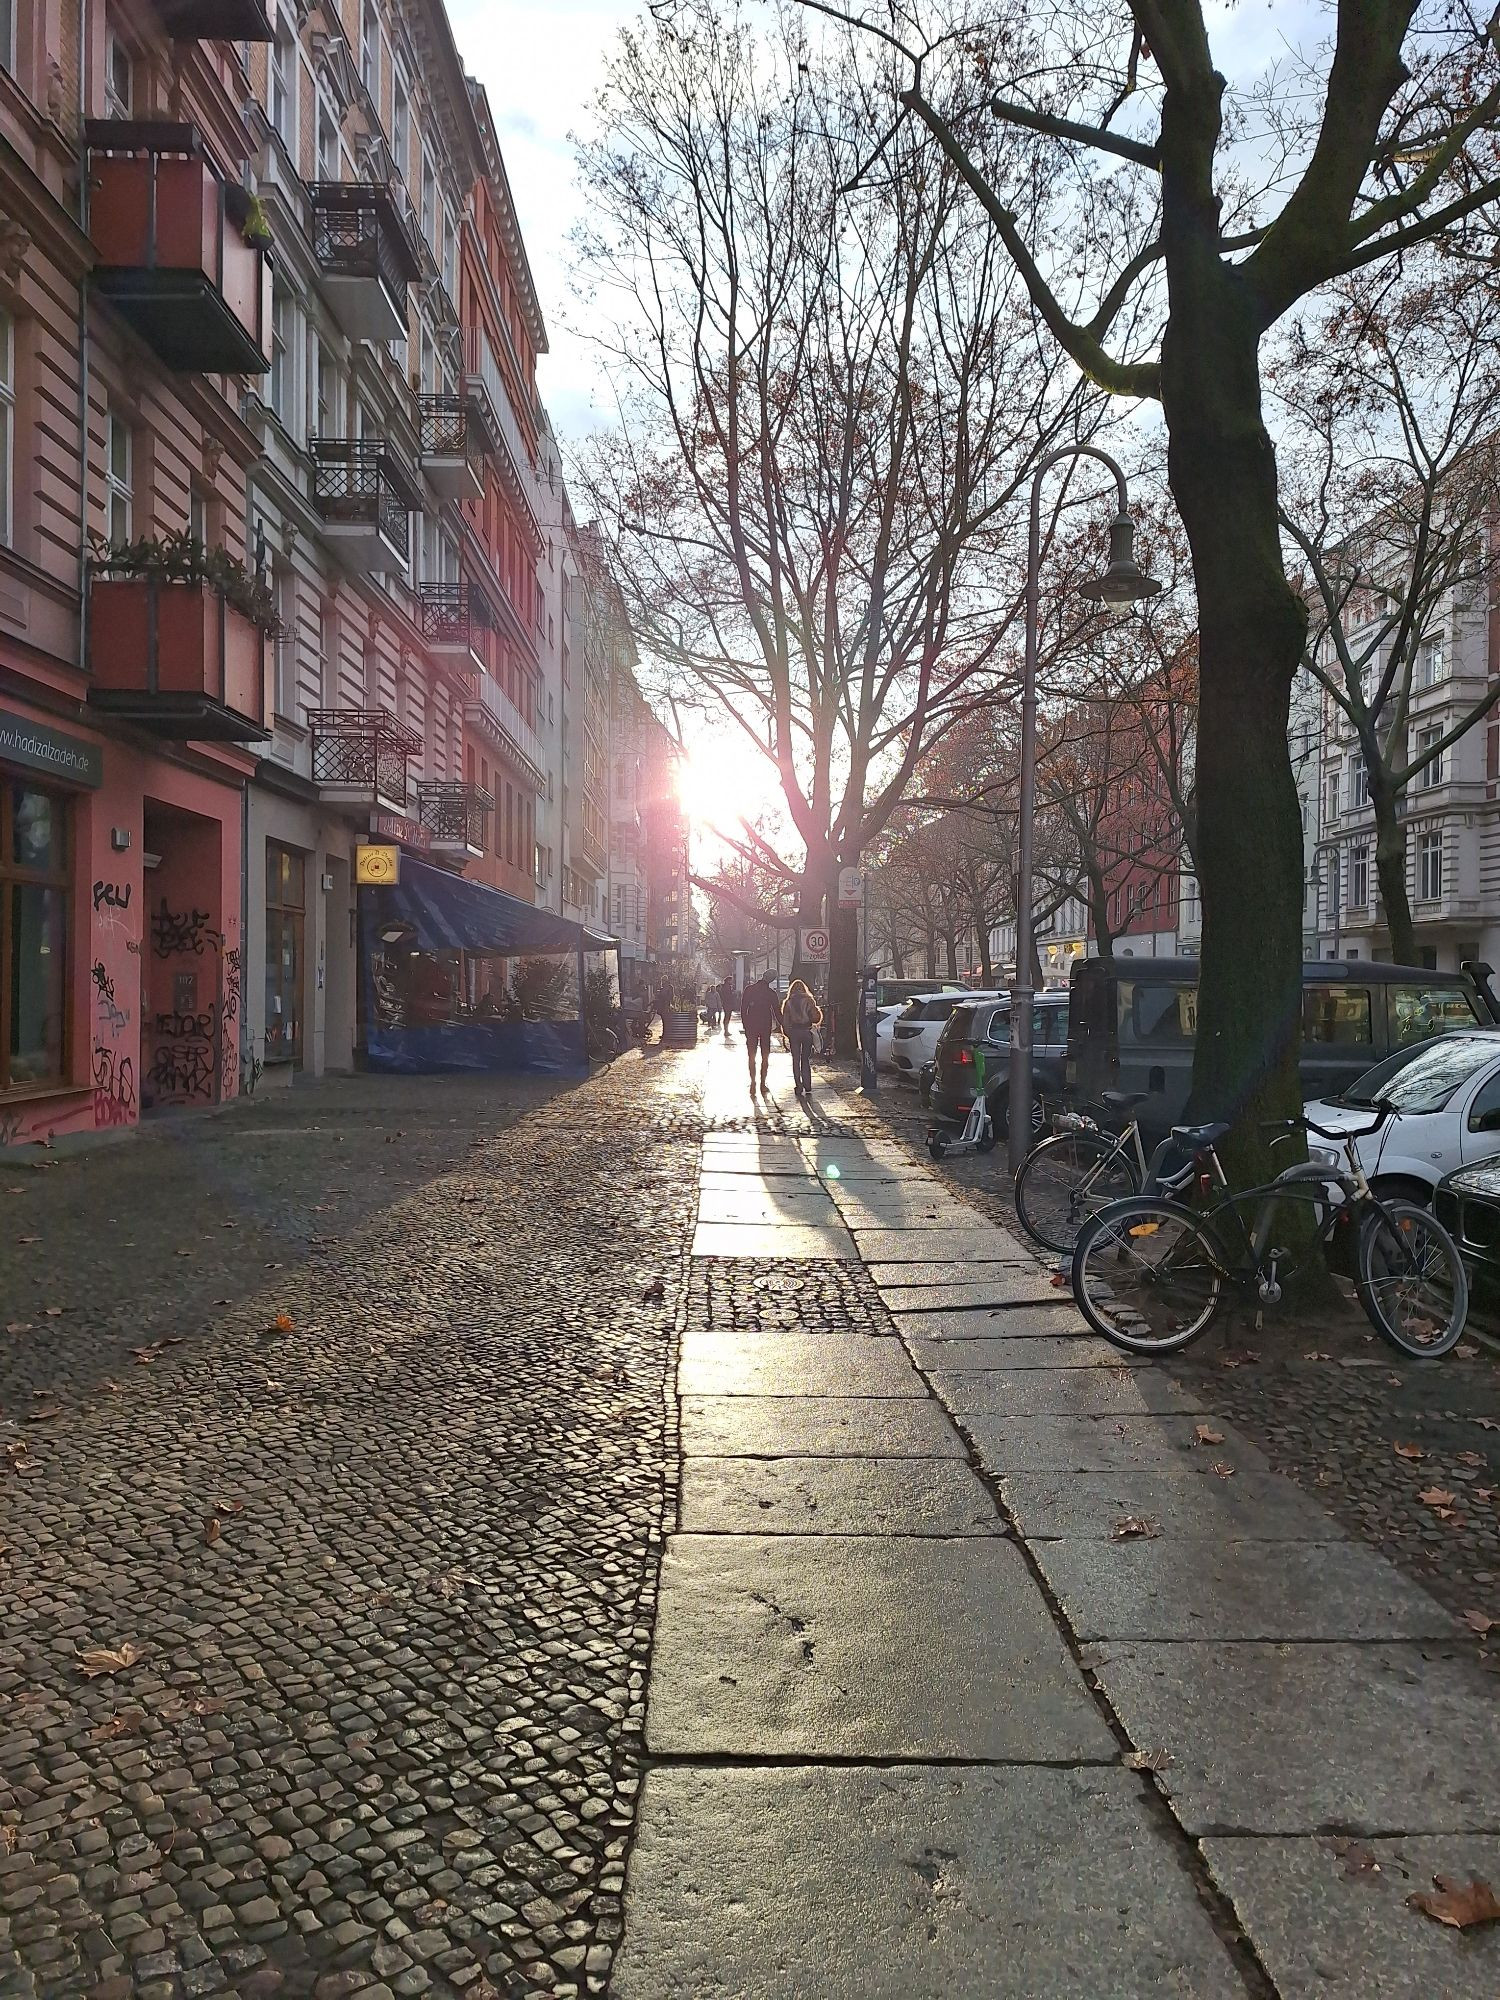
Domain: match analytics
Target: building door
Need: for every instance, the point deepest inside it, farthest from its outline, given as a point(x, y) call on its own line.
point(33, 935)
point(286, 917)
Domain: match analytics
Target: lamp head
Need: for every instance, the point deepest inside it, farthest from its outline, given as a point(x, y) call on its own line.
point(1124, 581)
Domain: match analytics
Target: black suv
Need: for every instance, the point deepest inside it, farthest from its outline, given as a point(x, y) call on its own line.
point(980, 1031)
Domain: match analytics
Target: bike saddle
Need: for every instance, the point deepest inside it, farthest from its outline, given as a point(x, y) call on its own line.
point(1199, 1136)
point(1123, 1100)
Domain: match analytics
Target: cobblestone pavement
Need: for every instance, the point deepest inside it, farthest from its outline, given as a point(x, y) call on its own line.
point(332, 1468)
point(1328, 1402)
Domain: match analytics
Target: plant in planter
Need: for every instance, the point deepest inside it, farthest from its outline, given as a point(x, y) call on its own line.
point(183, 558)
point(680, 1024)
point(250, 216)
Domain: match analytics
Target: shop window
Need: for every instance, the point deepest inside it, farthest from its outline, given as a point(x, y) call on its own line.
point(7, 408)
point(34, 902)
point(286, 907)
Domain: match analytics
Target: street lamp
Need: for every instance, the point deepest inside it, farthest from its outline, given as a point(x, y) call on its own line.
point(1123, 582)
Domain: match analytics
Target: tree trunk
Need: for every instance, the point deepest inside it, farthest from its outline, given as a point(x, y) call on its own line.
point(1251, 625)
point(1390, 872)
point(950, 948)
point(843, 970)
point(986, 960)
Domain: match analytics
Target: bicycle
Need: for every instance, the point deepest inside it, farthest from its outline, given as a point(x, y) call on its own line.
point(1150, 1274)
point(1083, 1168)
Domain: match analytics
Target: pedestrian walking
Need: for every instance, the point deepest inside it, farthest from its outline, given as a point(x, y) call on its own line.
point(664, 1005)
point(727, 995)
point(759, 1014)
point(712, 1004)
point(800, 1015)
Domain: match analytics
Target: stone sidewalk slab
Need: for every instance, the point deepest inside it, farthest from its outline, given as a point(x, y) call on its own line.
point(955, 1219)
point(928, 1246)
point(827, 1647)
point(910, 1884)
point(834, 1496)
point(798, 1205)
point(1188, 1502)
point(790, 1239)
point(1180, 1589)
point(990, 1319)
point(1107, 1444)
point(972, 1356)
point(1065, 1392)
point(1371, 1739)
point(1330, 1918)
point(794, 1364)
point(984, 1288)
point(818, 1427)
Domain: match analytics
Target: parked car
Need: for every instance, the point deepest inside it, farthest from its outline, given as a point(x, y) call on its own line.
point(1467, 1203)
point(908, 1038)
point(895, 992)
point(1446, 1099)
point(983, 1027)
point(1133, 1024)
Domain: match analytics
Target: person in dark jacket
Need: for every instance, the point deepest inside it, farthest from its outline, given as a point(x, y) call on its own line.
point(759, 1014)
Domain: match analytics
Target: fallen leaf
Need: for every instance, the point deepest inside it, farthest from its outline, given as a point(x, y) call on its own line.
point(212, 1529)
point(654, 1293)
point(1224, 1471)
point(1466, 1350)
point(1412, 1451)
point(18, 1456)
point(229, 1506)
point(1131, 1527)
point(108, 1659)
point(1148, 1760)
point(144, 1356)
point(1460, 1905)
point(1484, 1492)
point(44, 1415)
point(19, 1326)
point(1437, 1496)
point(1356, 1857)
point(1487, 1423)
point(54, 1312)
point(1206, 1434)
point(128, 1722)
point(283, 1323)
point(28, 1239)
point(9, 1839)
point(1469, 1458)
point(1481, 1622)
point(1316, 1354)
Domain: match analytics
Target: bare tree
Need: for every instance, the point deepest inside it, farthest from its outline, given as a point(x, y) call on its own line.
point(1394, 400)
point(831, 395)
point(1163, 224)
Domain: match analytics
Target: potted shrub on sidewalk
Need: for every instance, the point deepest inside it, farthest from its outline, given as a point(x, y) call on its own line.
point(680, 1022)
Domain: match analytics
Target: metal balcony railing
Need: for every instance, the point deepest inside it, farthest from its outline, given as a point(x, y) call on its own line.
point(455, 814)
point(489, 708)
point(360, 230)
point(453, 614)
point(363, 751)
point(362, 482)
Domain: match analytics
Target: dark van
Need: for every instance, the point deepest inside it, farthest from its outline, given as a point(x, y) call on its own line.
point(1132, 1026)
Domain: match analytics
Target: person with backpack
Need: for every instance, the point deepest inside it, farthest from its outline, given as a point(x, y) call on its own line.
point(800, 1014)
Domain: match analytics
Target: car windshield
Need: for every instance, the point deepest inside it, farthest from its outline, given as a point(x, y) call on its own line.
point(1422, 1079)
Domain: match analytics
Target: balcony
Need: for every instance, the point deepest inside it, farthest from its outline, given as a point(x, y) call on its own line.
point(456, 816)
point(219, 20)
point(485, 386)
point(177, 659)
point(359, 758)
point(457, 439)
point(452, 616)
point(491, 711)
point(366, 254)
point(171, 256)
point(366, 496)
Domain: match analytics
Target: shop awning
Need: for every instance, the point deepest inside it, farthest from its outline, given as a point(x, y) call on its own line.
point(447, 913)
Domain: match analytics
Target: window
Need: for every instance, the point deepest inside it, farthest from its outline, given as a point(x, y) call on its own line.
point(1359, 877)
point(1430, 867)
point(7, 35)
point(197, 520)
point(7, 415)
point(429, 198)
point(1431, 774)
point(450, 252)
point(401, 127)
point(118, 463)
point(327, 407)
point(1433, 663)
point(284, 585)
point(1336, 1015)
point(328, 142)
point(1157, 1013)
point(117, 77)
point(1331, 798)
point(1359, 780)
point(286, 899)
point(1418, 1012)
point(1484, 1110)
point(281, 356)
point(369, 50)
point(34, 863)
point(284, 83)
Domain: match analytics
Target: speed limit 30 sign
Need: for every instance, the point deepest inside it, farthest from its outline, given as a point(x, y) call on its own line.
point(813, 946)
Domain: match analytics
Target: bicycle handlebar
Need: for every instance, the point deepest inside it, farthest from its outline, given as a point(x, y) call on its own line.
point(1304, 1124)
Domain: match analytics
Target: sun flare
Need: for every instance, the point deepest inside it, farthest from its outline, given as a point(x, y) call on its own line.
point(722, 782)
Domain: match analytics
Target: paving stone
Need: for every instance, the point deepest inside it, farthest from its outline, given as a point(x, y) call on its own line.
point(965, 1356)
point(1176, 1589)
point(823, 1426)
point(984, 1313)
point(943, 1249)
point(1331, 1922)
point(1068, 1392)
point(910, 1884)
point(1188, 1500)
point(775, 1644)
point(834, 1496)
point(761, 1203)
point(790, 1239)
point(1105, 1444)
point(1368, 1738)
point(821, 1365)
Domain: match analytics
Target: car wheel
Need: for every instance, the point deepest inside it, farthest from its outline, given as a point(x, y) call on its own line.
point(1401, 1187)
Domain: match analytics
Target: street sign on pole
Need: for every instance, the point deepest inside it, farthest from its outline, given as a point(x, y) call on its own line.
point(813, 945)
point(851, 888)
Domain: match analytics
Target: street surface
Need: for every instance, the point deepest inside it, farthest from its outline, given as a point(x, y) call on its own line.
point(449, 1527)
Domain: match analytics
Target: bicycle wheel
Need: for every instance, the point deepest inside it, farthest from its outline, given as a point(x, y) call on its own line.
point(1411, 1280)
point(1145, 1275)
point(1066, 1180)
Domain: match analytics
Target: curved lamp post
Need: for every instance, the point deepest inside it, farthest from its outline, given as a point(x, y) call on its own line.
point(1123, 582)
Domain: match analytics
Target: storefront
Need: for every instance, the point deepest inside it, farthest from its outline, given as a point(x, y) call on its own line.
point(121, 964)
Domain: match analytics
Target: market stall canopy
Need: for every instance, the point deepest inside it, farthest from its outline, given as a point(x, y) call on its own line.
point(447, 913)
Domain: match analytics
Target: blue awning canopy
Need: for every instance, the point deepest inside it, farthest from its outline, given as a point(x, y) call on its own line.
point(447, 913)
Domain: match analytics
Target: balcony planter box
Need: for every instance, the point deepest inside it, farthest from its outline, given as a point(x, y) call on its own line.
point(680, 1031)
point(177, 659)
point(219, 20)
point(171, 259)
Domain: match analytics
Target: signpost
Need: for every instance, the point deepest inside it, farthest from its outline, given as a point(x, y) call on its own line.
point(812, 945)
point(851, 888)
